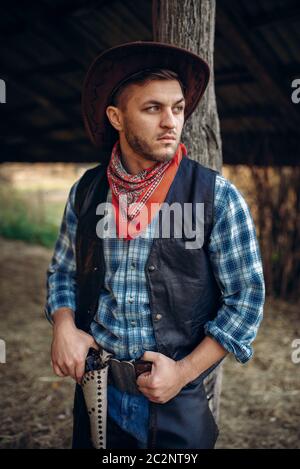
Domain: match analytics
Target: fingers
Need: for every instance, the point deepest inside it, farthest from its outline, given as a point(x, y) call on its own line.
point(58, 371)
point(64, 369)
point(73, 369)
point(143, 378)
point(151, 356)
point(68, 362)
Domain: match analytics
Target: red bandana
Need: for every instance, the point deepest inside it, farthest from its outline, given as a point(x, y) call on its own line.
point(142, 193)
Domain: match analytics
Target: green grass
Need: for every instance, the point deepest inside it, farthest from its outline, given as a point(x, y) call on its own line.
point(28, 219)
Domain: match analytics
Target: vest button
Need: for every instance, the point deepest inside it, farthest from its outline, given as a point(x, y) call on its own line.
point(157, 317)
point(151, 268)
point(95, 269)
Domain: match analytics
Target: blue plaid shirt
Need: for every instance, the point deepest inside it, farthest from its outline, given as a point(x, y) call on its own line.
point(123, 323)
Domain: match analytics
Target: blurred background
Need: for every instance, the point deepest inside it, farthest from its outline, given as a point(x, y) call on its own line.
point(45, 49)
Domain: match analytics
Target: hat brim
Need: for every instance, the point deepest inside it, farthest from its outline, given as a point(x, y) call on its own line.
point(116, 64)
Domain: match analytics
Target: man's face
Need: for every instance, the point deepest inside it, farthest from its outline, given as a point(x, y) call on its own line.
point(152, 118)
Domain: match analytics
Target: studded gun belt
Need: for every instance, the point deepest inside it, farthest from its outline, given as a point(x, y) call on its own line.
point(103, 370)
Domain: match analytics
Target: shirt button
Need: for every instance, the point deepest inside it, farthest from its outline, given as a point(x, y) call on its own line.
point(133, 323)
point(130, 299)
point(133, 265)
point(158, 317)
point(151, 268)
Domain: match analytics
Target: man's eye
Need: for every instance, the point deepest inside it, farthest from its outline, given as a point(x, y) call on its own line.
point(152, 108)
point(179, 108)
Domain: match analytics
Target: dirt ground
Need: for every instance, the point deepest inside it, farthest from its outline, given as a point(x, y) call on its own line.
point(260, 405)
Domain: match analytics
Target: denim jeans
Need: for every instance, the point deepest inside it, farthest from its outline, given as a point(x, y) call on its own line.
point(127, 415)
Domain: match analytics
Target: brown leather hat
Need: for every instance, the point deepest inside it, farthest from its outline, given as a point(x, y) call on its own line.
point(116, 65)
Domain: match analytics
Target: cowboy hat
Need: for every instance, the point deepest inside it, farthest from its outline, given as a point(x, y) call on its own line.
point(116, 65)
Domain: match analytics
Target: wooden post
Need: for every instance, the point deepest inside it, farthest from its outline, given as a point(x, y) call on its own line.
point(191, 24)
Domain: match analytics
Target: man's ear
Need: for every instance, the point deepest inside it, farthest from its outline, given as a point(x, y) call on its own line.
point(115, 117)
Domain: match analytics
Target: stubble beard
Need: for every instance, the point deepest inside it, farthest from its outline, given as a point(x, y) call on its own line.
point(141, 147)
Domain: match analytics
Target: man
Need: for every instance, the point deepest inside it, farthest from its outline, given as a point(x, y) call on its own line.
point(140, 294)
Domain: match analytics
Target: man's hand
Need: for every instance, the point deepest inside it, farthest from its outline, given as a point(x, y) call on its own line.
point(69, 347)
point(166, 379)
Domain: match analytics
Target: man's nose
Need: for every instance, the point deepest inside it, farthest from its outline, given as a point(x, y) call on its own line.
point(168, 119)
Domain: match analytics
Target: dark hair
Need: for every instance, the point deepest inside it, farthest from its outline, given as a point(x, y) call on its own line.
point(141, 77)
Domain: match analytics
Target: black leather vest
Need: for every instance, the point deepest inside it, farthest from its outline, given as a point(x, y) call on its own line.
point(183, 293)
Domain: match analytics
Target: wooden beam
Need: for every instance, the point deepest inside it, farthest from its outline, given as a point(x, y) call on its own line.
point(236, 35)
point(29, 132)
point(278, 15)
point(59, 34)
point(57, 68)
point(249, 111)
point(37, 92)
point(43, 12)
point(143, 13)
point(240, 75)
point(233, 76)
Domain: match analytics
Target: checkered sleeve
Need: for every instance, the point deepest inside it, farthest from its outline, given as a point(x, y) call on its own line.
point(61, 273)
point(237, 266)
